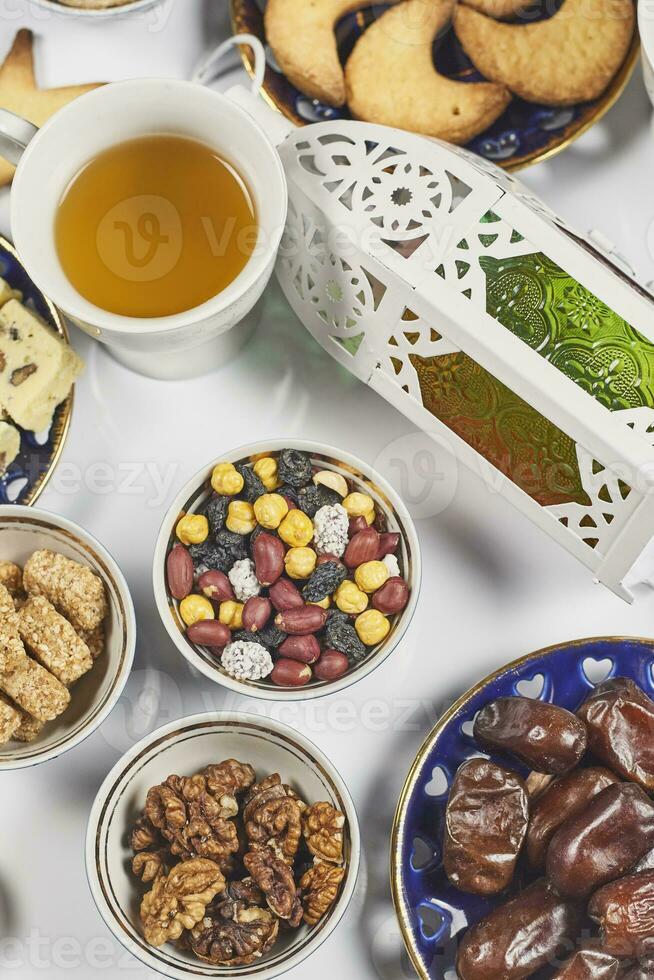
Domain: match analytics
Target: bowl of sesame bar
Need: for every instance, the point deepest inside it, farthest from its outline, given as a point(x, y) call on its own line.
point(287, 570)
point(67, 635)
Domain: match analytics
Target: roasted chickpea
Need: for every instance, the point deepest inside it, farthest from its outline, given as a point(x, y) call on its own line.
point(300, 562)
point(240, 517)
point(296, 529)
point(359, 505)
point(372, 627)
point(195, 608)
point(270, 510)
point(266, 470)
point(324, 603)
point(226, 479)
point(231, 614)
point(192, 529)
point(349, 598)
point(371, 575)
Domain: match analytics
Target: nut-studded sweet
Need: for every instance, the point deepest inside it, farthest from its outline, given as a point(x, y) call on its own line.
point(319, 887)
point(322, 828)
point(275, 879)
point(179, 900)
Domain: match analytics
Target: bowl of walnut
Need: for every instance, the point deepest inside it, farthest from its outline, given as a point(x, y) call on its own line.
point(223, 844)
point(67, 635)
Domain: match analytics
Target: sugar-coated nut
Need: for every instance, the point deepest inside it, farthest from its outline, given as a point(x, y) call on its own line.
point(179, 572)
point(226, 479)
point(296, 529)
point(350, 598)
point(246, 661)
point(192, 529)
point(333, 480)
point(240, 517)
point(268, 553)
point(362, 547)
point(371, 575)
point(209, 633)
point(243, 578)
point(306, 649)
point(392, 597)
point(372, 627)
point(388, 543)
point(300, 562)
point(359, 505)
point(330, 525)
point(266, 470)
point(194, 608)
point(215, 585)
point(231, 614)
point(284, 595)
point(290, 673)
point(332, 665)
point(301, 620)
point(270, 510)
point(256, 613)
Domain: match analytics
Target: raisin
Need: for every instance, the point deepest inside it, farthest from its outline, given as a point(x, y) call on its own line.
point(341, 635)
point(271, 636)
point(221, 553)
point(294, 467)
point(310, 499)
point(324, 581)
point(215, 510)
point(253, 488)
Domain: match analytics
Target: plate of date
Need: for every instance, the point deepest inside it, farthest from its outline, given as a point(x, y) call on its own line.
point(523, 843)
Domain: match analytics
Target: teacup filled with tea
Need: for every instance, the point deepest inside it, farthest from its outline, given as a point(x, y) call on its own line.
point(150, 212)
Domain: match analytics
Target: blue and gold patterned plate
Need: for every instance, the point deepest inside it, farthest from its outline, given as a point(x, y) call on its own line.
point(526, 133)
point(25, 479)
point(433, 913)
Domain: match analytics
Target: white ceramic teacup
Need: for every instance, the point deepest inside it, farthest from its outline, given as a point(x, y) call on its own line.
point(189, 343)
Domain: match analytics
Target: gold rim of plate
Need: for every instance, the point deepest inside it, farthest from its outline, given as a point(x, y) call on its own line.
point(61, 425)
point(397, 835)
point(242, 12)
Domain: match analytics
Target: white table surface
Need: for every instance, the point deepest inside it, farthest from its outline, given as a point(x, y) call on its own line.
point(494, 586)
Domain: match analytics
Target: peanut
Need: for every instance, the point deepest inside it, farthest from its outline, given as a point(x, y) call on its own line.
point(357, 524)
point(388, 543)
point(284, 595)
point(392, 597)
point(215, 585)
point(256, 613)
point(332, 665)
point(209, 633)
point(301, 620)
point(363, 547)
point(290, 673)
point(179, 572)
point(268, 554)
point(303, 648)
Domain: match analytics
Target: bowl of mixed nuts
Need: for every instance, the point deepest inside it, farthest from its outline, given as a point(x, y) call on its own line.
point(223, 844)
point(286, 571)
point(67, 635)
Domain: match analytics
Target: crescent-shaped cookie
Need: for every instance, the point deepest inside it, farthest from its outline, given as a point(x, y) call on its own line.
point(301, 35)
point(569, 58)
point(500, 9)
point(391, 79)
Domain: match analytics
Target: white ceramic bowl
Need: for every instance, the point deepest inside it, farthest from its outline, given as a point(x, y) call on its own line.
point(184, 747)
point(195, 492)
point(25, 530)
point(124, 10)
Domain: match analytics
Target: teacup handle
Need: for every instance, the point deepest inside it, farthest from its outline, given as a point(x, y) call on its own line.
point(15, 134)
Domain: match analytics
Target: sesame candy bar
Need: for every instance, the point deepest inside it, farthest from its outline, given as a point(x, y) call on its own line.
point(12, 651)
point(29, 730)
point(94, 641)
point(11, 577)
point(35, 690)
point(52, 640)
point(10, 720)
point(73, 589)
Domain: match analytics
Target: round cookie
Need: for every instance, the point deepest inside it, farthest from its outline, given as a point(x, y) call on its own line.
point(569, 58)
point(391, 79)
point(301, 35)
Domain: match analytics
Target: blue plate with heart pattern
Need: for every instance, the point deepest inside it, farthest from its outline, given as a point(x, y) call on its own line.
point(23, 481)
point(433, 913)
point(526, 133)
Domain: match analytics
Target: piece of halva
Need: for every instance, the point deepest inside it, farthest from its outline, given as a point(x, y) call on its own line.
point(37, 367)
point(9, 445)
point(7, 293)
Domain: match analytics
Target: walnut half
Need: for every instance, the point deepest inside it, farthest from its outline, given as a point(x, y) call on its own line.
point(322, 826)
point(234, 933)
point(275, 879)
point(179, 900)
point(320, 886)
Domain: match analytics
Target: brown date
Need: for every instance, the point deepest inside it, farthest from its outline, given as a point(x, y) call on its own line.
point(624, 910)
point(520, 936)
point(562, 799)
point(602, 842)
point(485, 825)
point(619, 718)
point(545, 737)
point(589, 964)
